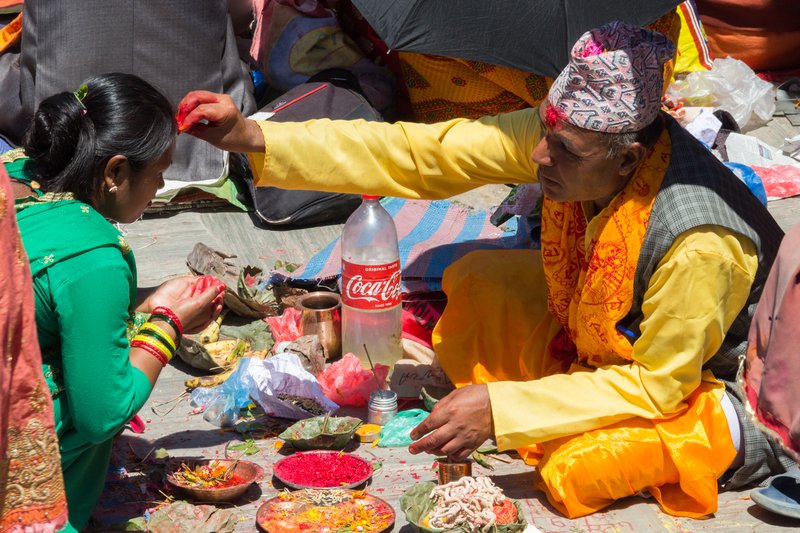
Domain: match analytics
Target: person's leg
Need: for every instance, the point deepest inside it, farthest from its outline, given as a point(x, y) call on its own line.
point(84, 478)
point(677, 460)
point(496, 325)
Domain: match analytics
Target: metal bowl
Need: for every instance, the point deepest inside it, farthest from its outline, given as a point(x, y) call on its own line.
point(303, 500)
point(247, 471)
point(276, 468)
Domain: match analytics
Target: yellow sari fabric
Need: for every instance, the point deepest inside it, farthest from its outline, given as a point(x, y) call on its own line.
point(588, 271)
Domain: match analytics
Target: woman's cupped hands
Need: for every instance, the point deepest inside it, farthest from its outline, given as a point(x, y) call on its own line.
point(197, 300)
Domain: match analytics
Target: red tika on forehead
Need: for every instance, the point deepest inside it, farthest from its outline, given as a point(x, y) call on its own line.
point(552, 116)
point(593, 49)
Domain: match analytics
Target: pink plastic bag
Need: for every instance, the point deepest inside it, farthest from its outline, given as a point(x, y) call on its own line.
point(285, 327)
point(346, 382)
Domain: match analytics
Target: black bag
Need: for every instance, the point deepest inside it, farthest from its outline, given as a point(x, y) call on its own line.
point(337, 97)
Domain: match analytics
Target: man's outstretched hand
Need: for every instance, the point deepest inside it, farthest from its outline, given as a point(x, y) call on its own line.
point(459, 424)
point(216, 119)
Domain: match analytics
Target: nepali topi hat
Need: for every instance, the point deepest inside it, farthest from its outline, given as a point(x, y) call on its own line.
point(614, 80)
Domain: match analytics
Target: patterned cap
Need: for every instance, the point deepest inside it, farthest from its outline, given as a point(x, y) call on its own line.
point(614, 80)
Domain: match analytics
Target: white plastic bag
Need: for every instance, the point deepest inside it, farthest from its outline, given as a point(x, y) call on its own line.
point(284, 374)
point(730, 85)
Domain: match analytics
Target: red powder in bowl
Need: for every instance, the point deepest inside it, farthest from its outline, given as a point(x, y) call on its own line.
point(323, 470)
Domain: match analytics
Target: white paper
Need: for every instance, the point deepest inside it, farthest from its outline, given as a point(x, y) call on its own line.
point(530, 528)
point(262, 115)
point(284, 374)
point(705, 127)
point(752, 152)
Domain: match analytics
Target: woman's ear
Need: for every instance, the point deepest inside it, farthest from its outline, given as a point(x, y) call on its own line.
point(116, 174)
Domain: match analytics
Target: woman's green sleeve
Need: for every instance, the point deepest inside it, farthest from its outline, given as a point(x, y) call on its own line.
point(91, 296)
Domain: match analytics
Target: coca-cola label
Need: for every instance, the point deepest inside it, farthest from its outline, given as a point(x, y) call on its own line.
point(371, 287)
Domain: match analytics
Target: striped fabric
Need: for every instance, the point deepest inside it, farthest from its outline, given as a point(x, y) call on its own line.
point(763, 457)
point(432, 235)
point(695, 45)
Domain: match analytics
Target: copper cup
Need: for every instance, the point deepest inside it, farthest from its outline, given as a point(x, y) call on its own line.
point(450, 470)
point(321, 315)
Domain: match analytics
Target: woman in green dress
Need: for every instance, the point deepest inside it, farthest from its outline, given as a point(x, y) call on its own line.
point(92, 156)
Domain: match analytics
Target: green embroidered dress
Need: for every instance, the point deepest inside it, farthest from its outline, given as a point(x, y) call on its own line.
point(84, 281)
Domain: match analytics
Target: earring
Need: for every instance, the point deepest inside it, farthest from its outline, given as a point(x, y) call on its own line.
point(113, 188)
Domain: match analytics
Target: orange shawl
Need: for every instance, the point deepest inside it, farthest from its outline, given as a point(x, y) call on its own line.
point(590, 282)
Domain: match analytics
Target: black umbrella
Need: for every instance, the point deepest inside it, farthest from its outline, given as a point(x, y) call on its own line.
point(531, 35)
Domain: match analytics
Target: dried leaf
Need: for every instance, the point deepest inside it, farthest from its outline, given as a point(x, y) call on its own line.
point(183, 517)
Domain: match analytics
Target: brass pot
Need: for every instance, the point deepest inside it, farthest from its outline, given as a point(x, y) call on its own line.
point(321, 315)
point(450, 470)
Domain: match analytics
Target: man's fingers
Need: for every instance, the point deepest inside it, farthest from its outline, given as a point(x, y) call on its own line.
point(433, 442)
point(460, 455)
point(200, 113)
point(195, 98)
point(424, 427)
point(429, 444)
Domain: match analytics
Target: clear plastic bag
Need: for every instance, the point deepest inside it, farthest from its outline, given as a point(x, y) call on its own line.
point(222, 404)
point(267, 382)
point(730, 85)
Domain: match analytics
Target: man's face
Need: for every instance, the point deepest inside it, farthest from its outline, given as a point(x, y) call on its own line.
point(573, 164)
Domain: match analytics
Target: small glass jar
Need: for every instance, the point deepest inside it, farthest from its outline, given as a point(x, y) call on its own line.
point(382, 407)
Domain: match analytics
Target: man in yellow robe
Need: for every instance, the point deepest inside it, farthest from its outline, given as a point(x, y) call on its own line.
point(609, 357)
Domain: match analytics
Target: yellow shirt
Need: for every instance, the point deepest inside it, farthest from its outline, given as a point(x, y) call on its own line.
point(693, 296)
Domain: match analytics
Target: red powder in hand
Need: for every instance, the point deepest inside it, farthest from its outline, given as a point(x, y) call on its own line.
point(323, 470)
point(183, 112)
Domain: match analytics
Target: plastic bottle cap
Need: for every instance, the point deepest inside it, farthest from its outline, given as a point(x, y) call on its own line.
point(370, 197)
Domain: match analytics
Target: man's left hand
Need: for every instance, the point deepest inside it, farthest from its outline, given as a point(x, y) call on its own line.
point(459, 423)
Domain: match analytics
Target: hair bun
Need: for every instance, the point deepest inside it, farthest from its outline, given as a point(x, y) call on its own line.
point(54, 133)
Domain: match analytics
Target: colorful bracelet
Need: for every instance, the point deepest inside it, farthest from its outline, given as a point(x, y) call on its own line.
point(146, 333)
point(169, 316)
point(158, 333)
point(151, 350)
point(152, 341)
point(165, 351)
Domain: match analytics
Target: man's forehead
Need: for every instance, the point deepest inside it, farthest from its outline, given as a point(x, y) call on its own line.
point(581, 140)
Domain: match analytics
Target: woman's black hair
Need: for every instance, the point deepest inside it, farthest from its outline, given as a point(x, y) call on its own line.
point(72, 140)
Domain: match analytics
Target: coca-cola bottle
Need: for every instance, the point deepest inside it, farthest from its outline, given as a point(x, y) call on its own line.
point(371, 310)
